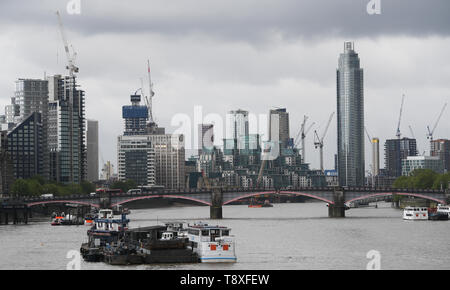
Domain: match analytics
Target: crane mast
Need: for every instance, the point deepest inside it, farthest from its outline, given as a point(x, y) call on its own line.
point(430, 133)
point(319, 140)
point(70, 58)
point(151, 93)
point(398, 134)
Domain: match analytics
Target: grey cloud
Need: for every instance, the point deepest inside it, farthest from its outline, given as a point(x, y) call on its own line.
point(250, 20)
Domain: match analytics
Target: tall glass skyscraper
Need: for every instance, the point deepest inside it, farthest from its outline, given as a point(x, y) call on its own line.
point(350, 118)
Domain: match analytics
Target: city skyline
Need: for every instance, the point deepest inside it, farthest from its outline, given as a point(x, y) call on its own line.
point(254, 74)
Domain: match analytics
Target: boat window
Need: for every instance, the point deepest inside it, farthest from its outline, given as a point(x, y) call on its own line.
point(225, 232)
point(205, 232)
point(215, 232)
point(193, 232)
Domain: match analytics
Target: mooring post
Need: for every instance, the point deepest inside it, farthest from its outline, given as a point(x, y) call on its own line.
point(337, 210)
point(216, 203)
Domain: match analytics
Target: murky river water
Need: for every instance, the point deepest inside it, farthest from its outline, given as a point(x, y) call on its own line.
point(287, 236)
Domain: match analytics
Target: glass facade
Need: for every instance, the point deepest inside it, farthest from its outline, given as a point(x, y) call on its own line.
point(350, 118)
point(66, 131)
point(25, 148)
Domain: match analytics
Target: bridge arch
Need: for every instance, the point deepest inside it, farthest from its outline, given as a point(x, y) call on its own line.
point(308, 195)
point(62, 201)
point(396, 193)
point(163, 196)
point(280, 193)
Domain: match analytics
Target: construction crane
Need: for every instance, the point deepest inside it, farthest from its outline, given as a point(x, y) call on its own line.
point(430, 133)
point(318, 142)
point(70, 82)
point(71, 67)
point(303, 132)
point(398, 134)
point(368, 136)
point(149, 100)
point(412, 132)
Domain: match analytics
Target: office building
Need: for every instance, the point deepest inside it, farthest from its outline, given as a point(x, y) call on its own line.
point(350, 118)
point(205, 137)
point(136, 159)
point(169, 160)
point(412, 163)
point(135, 117)
point(92, 150)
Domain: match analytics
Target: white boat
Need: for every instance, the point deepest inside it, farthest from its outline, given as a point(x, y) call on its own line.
point(415, 213)
point(443, 209)
point(213, 244)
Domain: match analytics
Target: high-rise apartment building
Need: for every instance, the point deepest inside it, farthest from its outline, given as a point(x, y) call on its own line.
point(395, 151)
point(441, 148)
point(66, 130)
point(350, 118)
point(238, 127)
point(279, 127)
point(25, 147)
point(92, 150)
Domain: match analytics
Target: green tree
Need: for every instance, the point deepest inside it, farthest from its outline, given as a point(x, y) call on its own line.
point(402, 182)
point(442, 181)
point(424, 178)
point(51, 188)
point(35, 187)
point(20, 187)
point(87, 187)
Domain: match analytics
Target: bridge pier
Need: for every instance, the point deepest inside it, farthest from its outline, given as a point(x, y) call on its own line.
point(395, 201)
point(216, 204)
point(337, 210)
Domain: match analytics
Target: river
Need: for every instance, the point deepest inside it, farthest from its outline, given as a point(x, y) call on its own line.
point(286, 236)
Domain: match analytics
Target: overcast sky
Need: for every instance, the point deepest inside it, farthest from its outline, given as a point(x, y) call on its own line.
point(248, 54)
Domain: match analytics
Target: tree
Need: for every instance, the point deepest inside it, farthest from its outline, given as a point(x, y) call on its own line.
point(124, 186)
point(20, 187)
point(442, 181)
point(87, 187)
point(424, 178)
point(35, 187)
point(402, 182)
